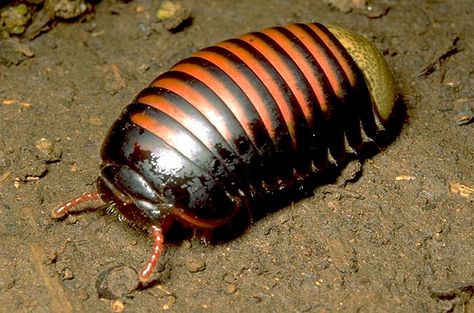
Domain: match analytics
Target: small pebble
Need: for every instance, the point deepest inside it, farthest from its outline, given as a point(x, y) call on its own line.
point(172, 15)
point(466, 116)
point(52, 258)
point(350, 173)
point(195, 265)
point(116, 282)
point(82, 294)
point(48, 151)
point(14, 20)
point(186, 244)
point(170, 300)
point(118, 306)
point(68, 274)
point(65, 9)
point(71, 219)
point(231, 288)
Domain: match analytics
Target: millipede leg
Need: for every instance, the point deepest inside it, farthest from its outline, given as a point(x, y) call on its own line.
point(149, 267)
point(64, 209)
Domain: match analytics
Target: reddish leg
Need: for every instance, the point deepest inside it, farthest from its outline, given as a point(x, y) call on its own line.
point(64, 209)
point(149, 267)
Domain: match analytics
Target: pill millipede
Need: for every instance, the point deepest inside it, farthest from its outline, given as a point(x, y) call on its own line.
point(251, 117)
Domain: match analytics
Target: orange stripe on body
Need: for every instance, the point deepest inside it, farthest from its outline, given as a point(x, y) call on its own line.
point(316, 50)
point(190, 122)
point(281, 67)
point(200, 103)
point(254, 64)
point(182, 142)
point(221, 90)
point(245, 85)
point(158, 129)
point(337, 54)
point(305, 67)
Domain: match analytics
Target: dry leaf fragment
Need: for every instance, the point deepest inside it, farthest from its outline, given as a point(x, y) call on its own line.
point(405, 177)
point(462, 190)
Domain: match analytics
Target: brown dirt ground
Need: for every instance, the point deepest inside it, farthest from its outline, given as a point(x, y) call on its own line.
point(378, 244)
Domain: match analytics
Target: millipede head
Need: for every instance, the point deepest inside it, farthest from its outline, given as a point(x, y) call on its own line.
point(149, 214)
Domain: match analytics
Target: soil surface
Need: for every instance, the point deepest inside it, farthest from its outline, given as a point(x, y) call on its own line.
point(398, 238)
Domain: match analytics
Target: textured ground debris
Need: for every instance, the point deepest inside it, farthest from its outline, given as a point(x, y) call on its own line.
point(398, 235)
